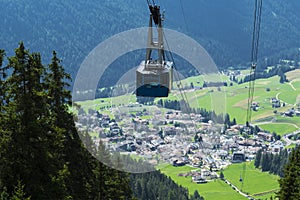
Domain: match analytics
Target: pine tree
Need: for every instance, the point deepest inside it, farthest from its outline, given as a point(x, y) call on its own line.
point(290, 183)
point(266, 162)
point(26, 157)
point(258, 158)
point(227, 120)
point(196, 196)
point(78, 176)
point(2, 76)
point(233, 121)
point(221, 175)
point(19, 193)
point(3, 135)
point(2, 95)
point(39, 143)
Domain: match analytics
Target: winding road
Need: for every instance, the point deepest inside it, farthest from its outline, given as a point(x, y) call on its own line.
point(287, 140)
point(237, 189)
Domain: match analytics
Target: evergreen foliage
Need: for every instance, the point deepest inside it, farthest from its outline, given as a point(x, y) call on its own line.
point(278, 70)
point(19, 193)
point(206, 115)
point(41, 154)
point(154, 185)
point(290, 182)
point(273, 163)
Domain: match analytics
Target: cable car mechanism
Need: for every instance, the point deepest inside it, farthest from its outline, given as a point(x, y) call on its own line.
point(154, 76)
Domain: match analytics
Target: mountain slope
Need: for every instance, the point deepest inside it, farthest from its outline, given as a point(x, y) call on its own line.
point(74, 28)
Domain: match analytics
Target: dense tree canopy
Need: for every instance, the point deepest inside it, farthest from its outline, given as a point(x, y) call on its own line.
point(42, 156)
point(41, 153)
point(290, 183)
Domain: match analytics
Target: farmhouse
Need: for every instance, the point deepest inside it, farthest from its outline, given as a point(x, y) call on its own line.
point(276, 146)
point(265, 136)
point(275, 102)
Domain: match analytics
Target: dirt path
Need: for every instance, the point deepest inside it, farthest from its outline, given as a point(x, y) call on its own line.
point(236, 188)
point(273, 121)
point(277, 95)
point(292, 86)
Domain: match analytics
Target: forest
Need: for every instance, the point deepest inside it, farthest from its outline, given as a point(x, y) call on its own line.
point(41, 153)
point(222, 28)
point(273, 163)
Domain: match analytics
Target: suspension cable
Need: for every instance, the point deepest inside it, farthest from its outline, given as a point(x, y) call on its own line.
point(184, 18)
point(182, 93)
point(254, 53)
point(179, 85)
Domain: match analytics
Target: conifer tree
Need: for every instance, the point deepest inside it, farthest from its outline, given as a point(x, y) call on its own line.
point(2, 90)
point(19, 193)
point(29, 156)
point(2, 76)
point(78, 175)
point(290, 183)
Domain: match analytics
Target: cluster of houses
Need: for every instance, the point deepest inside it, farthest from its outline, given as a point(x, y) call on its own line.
point(276, 103)
point(292, 112)
point(200, 176)
point(169, 137)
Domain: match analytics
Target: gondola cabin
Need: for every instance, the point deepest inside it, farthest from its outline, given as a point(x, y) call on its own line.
point(154, 79)
point(154, 76)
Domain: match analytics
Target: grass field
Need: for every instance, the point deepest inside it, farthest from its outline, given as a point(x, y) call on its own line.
point(258, 184)
point(293, 75)
point(234, 99)
point(292, 120)
point(280, 129)
point(214, 190)
point(231, 99)
point(209, 78)
point(254, 181)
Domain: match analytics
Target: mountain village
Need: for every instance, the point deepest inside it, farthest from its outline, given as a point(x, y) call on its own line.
point(159, 136)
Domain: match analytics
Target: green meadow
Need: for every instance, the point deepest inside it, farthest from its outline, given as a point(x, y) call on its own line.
point(280, 129)
point(230, 99)
point(233, 100)
point(258, 184)
point(213, 190)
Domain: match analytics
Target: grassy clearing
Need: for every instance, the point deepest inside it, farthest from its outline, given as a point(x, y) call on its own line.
point(231, 99)
point(214, 190)
point(292, 120)
point(209, 78)
point(293, 145)
point(280, 129)
point(94, 134)
point(105, 103)
point(292, 75)
point(255, 181)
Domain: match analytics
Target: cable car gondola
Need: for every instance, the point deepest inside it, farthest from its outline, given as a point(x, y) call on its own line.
point(154, 76)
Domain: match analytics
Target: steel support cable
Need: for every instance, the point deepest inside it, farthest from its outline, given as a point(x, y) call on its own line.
point(243, 175)
point(149, 2)
point(252, 75)
point(182, 93)
point(178, 77)
point(254, 53)
point(184, 18)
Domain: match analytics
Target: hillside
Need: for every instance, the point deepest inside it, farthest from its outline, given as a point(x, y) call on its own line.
point(157, 123)
point(74, 28)
point(232, 99)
